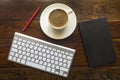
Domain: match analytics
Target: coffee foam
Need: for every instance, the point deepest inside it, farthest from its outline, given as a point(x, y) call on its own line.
point(58, 18)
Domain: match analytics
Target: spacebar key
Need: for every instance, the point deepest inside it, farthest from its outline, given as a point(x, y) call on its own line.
point(35, 65)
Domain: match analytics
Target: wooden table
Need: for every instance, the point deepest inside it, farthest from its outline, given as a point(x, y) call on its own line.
point(15, 13)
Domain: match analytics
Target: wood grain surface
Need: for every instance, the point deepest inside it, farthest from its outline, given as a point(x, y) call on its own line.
point(14, 14)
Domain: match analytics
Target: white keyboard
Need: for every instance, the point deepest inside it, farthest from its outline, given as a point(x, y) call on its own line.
point(41, 54)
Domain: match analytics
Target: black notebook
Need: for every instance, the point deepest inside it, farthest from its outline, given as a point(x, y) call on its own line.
point(97, 42)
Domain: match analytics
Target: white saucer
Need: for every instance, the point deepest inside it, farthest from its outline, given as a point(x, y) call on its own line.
point(55, 34)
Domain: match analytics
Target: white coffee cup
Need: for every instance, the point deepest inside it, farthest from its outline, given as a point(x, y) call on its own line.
point(58, 19)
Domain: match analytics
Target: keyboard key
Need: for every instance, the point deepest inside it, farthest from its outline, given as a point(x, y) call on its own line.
point(58, 51)
point(41, 62)
point(20, 56)
point(64, 56)
point(28, 49)
point(35, 48)
point(12, 53)
point(65, 65)
point(43, 50)
point(38, 66)
point(10, 57)
point(45, 63)
point(48, 55)
point(23, 44)
point(32, 43)
point(60, 59)
point(15, 45)
point(23, 61)
point(27, 45)
point(31, 55)
point(31, 46)
point(71, 54)
point(19, 42)
point(14, 58)
point(37, 44)
point(48, 51)
point(56, 54)
point(40, 53)
point(45, 47)
point(18, 60)
point(57, 67)
point(69, 57)
point(48, 69)
point(36, 52)
point(40, 58)
point(68, 64)
point(24, 48)
point(24, 57)
point(20, 47)
point(19, 52)
point(28, 59)
point(14, 50)
point(52, 57)
point(23, 53)
point(15, 41)
point(33, 59)
point(32, 51)
point(48, 60)
point(20, 39)
point(36, 61)
point(60, 63)
point(53, 70)
point(49, 48)
point(54, 49)
point(59, 55)
point(64, 69)
point(44, 59)
point(41, 45)
point(24, 40)
point(39, 49)
point(53, 66)
point(16, 37)
point(65, 75)
point(28, 42)
point(52, 61)
point(49, 64)
point(67, 53)
point(51, 52)
point(65, 61)
point(16, 55)
point(36, 56)
point(62, 52)
point(28, 54)
point(44, 54)
point(56, 72)
point(61, 73)
point(56, 62)
point(56, 58)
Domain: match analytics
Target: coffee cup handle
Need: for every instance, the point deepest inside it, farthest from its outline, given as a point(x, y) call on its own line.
point(69, 12)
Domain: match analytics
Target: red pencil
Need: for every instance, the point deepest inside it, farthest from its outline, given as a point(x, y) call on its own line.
point(28, 23)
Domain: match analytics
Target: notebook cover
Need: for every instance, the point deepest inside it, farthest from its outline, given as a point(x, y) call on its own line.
point(97, 42)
